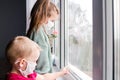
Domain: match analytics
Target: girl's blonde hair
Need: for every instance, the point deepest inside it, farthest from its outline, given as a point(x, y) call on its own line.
point(52, 8)
point(39, 14)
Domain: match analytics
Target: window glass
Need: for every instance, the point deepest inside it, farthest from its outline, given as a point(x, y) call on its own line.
point(117, 39)
point(79, 38)
point(29, 5)
point(56, 42)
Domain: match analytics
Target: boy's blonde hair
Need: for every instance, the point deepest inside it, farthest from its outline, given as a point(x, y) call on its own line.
point(20, 47)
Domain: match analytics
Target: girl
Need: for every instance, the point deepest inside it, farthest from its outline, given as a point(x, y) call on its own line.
point(43, 14)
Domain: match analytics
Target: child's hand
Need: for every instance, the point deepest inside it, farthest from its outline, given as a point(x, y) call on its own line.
point(64, 71)
point(53, 76)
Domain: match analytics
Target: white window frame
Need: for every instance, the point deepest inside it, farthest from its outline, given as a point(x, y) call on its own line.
point(103, 37)
point(108, 36)
point(116, 39)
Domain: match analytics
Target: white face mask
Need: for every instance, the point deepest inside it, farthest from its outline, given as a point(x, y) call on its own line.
point(29, 69)
point(50, 24)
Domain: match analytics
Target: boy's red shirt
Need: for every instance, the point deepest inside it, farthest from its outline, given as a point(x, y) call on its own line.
point(14, 76)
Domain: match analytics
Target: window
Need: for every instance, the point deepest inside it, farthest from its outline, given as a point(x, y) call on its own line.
point(29, 5)
point(79, 35)
point(56, 44)
point(88, 40)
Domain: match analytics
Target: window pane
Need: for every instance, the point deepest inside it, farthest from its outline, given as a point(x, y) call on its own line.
point(56, 46)
point(117, 38)
point(79, 29)
point(29, 5)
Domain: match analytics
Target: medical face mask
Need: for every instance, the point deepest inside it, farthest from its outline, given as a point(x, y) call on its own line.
point(48, 27)
point(29, 69)
point(50, 24)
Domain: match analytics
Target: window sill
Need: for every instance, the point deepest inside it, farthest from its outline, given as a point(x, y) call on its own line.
point(75, 74)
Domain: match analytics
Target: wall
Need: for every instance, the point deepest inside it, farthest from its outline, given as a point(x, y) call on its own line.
point(12, 23)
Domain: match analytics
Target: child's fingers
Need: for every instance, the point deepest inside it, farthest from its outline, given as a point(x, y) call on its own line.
point(65, 70)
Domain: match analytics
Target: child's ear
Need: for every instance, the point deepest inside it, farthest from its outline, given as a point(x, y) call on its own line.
point(22, 62)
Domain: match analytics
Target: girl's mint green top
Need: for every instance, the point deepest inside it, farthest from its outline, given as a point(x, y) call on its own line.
point(44, 64)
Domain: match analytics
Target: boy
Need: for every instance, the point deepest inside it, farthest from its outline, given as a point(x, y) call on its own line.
point(22, 53)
